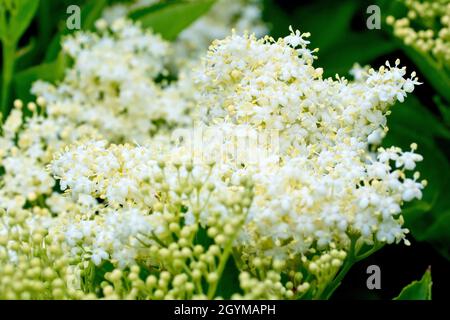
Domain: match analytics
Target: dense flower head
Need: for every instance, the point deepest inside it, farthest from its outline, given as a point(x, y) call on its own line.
point(426, 27)
point(273, 85)
point(253, 155)
point(33, 264)
point(111, 81)
point(313, 188)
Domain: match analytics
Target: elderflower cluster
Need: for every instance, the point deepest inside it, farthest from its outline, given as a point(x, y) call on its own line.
point(320, 179)
point(325, 175)
point(425, 28)
point(111, 85)
point(33, 265)
point(118, 184)
point(151, 213)
point(26, 147)
point(174, 205)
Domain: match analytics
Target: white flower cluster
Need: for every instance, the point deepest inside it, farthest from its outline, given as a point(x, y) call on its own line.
point(111, 81)
point(276, 165)
point(321, 182)
point(426, 28)
point(324, 180)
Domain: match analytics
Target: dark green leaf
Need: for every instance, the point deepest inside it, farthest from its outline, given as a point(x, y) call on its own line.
point(439, 234)
point(91, 12)
point(409, 123)
point(418, 118)
point(55, 46)
point(417, 290)
point(359, 48)
point(170, 18)
point(337, 17)
point(202, 238)
point(21, 19)
point(99, 274)
point(444, 109)
point(51, 72)
point(436, 75)
point(277, 19)
point(339, 46)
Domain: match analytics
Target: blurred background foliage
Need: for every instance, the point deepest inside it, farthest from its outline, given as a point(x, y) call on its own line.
point(30, 33)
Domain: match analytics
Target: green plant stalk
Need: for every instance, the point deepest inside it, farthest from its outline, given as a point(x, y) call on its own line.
point(9, 51)
point(353, 257)
point(223, 261)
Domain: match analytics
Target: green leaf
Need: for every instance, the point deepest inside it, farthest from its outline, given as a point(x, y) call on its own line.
point(337, 17)
point(21, 17)
point(434, 168)
point(276, 18)
point(339, 46)
point(360, 48)
point(417, 290)
point(170, 18)
point(91, 12)
point(435, 74)
point(444, 109)
point(418, 118)
point(412, 122)
point(51, 72)
point(439, 234)
point(202, 238)
point(55, 46)
point(99, 275)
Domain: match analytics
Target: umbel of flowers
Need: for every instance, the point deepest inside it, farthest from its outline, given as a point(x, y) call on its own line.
point(426, 28)
point(89, 213)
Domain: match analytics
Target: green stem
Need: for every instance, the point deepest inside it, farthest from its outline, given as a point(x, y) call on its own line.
point(351, 259)
point(374, 249)
point(223, 261)
point(9, 50)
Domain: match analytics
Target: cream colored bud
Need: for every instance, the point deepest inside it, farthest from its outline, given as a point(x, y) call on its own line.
point(18, 104)
point(174, 227)
point(313, 267)
point(220, 239)
point(41, 101)
point(116, 275)
point(151, 281)
point(212, 277)
point(212, 232)
point(278, 264)
point(31, 106)
point(196, 274)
